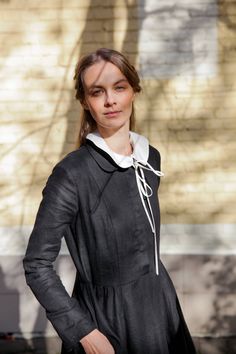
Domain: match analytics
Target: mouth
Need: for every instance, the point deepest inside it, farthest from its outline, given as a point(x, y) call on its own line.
point(112, 113)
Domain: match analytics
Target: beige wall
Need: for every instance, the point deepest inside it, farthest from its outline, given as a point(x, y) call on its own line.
point(190, 119)
point(187, 110)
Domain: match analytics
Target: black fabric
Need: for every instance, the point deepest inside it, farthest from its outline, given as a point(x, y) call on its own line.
point(96, 206)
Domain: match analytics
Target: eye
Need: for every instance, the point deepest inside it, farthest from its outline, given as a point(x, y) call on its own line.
point(120, 88)
point(96, 92)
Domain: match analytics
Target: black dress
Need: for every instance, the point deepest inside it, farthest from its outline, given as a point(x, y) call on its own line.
point(97, 206)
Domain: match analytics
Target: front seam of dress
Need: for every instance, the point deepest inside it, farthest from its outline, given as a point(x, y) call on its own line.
point(143, 187)
point(110, 218)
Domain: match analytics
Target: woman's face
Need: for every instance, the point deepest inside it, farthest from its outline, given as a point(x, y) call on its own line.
point(108, 96)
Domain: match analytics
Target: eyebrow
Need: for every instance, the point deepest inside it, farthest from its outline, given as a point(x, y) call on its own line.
point(93, 86)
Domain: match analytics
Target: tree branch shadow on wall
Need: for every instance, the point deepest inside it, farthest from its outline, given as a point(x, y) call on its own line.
point(180, 131)
point(169, 135)
point(220, 286)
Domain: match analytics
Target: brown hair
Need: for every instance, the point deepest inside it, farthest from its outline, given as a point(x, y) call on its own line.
point(88, 124)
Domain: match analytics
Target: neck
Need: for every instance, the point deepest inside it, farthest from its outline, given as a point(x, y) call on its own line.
point(118, 141)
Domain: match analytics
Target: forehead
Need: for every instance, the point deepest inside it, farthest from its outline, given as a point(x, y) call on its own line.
point(102, 73)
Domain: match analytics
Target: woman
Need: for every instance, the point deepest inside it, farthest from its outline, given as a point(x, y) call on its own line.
point(102, 198)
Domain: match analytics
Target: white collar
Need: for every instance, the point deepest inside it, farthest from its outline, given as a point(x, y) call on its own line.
point(140, 149)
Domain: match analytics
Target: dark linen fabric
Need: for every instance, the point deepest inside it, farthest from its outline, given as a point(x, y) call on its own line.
point(96, 206)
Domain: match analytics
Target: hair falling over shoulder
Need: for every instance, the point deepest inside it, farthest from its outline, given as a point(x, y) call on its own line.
point(88, 124)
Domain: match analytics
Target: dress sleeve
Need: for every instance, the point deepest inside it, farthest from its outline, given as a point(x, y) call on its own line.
point(57, 209)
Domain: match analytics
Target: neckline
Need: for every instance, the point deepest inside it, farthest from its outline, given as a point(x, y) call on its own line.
point(140, 149)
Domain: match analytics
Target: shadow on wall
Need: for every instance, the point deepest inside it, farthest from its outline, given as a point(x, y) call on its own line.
point(9, 315)
point(214, 286)
point(20, 312)
point(222, 280)
point(208, 298)
point(11, 310)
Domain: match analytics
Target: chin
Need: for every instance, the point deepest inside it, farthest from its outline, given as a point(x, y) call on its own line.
point(115, 124)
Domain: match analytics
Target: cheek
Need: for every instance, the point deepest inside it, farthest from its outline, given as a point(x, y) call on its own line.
point(128, 100)
point(93, 106)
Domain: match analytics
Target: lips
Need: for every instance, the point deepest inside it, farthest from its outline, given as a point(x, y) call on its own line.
point(112, 113)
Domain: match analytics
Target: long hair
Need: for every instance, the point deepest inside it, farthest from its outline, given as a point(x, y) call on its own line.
point(88, 124)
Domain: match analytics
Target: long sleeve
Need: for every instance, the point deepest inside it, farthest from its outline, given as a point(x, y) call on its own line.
point(58, 207)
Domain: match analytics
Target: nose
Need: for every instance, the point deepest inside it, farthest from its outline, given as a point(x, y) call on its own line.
point(109, 99)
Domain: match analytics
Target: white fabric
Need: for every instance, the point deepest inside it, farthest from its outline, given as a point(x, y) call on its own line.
point(140, 149)
point(139, 161)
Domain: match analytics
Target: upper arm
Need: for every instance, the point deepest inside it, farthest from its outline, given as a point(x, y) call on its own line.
point(57, 209)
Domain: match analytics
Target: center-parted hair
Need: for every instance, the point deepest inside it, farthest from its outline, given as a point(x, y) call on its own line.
point(88, 124)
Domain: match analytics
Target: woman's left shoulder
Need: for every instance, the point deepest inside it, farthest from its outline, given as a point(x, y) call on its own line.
point(154, 157)
point(154, 152)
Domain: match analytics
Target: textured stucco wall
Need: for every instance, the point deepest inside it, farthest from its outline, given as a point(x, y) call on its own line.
point(186, 56)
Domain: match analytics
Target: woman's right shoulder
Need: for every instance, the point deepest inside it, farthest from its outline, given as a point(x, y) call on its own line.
point(74, 161)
